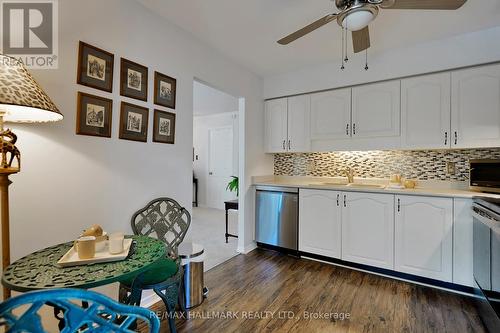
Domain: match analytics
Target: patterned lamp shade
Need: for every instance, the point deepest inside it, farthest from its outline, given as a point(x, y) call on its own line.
point(22, 100)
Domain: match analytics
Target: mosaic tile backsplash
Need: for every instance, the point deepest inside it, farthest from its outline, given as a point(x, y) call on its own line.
point(419, 164)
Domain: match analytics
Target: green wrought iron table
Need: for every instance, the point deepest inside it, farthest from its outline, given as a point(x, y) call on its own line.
point(39, 270)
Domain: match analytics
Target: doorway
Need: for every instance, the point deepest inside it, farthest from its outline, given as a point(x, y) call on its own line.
point(215, 164)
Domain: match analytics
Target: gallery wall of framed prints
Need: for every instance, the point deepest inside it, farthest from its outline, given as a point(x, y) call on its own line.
point(95, 113)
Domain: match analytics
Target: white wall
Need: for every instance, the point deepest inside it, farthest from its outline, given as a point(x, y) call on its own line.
point(463, 50)
point(202, 125)
point(208, 100)
point(70, 181)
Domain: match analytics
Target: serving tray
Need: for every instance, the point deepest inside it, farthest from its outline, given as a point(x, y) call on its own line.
point(71, 258)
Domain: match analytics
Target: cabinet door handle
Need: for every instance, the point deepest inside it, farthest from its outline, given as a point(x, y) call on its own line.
point(354, 129)
point(347, 129)
point(338, 198)
point(289, 144)
point(345, 197)
point(284, 141)
point(456, 137)
point(446, 138)
point(399, 205)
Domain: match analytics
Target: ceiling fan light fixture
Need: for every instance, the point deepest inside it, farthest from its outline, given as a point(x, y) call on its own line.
point(357, 20)
point(358, 16)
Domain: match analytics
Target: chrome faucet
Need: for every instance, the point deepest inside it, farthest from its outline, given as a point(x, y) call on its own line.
point(349, 172)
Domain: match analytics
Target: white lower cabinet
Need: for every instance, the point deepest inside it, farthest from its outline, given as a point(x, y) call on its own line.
point(462, 242)
point(319, 222)
point(424, 236)
point(368, 228)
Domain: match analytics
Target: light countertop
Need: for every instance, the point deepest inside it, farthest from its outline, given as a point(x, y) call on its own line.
point(425, 188)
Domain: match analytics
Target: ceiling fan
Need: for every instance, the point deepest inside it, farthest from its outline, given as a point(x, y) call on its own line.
point(355, 15)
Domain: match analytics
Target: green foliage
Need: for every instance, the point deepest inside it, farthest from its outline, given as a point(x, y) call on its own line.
point(232, 186)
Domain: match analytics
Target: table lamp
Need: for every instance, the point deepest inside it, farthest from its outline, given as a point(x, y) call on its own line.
point(22, 100)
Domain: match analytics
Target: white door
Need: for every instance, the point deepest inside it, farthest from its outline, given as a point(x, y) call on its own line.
point(476, 107)
point(426, 111)
point(320, 222)
point(376, 110)
point(276, 125)
point(299, 115)
point(462, 242)
point(331, 115)
point(368, 228)
point(220, 166)
point(424, 236)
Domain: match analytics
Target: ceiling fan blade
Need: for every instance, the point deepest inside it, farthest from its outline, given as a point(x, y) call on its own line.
point(361, 40)
point(423, 4)
point(307, 29)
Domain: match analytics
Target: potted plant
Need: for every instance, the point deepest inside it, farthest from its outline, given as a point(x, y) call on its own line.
point(232, 186)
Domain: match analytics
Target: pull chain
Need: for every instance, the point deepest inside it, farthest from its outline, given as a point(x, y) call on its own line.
point(366, 58)
point(342, 56)
point(346, 37)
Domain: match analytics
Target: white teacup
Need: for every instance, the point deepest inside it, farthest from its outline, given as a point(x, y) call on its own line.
point(85, 247)
point(115, 242)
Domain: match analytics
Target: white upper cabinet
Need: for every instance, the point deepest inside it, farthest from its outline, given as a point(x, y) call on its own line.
point(476, 107)
point(319, 222)
point(424, 236)
point(376, 110)
point(368, 228)
point(426, 111)
point(458, 109)
point(299, 115)
point(287, 124)
point(331, 115)
point(276, 125)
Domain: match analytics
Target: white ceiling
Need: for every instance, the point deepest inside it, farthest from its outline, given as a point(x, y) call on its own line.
point(207, 100)
point(247, 31)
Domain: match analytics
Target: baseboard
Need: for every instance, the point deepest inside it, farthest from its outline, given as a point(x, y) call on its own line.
point(247, 249)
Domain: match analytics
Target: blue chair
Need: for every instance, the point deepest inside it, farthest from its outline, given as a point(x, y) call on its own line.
point(101, 314)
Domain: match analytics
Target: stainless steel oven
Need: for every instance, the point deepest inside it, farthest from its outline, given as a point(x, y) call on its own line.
point(486, 247)
point(485, 175)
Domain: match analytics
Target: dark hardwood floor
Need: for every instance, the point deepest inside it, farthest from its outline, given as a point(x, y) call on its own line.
point(282, 290)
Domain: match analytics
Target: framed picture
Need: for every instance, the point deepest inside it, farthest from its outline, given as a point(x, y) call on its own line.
point(133, 80)
point(133, 122)
point(95, 67)
point(165, 90)
point(164, 127)
point(94, 115)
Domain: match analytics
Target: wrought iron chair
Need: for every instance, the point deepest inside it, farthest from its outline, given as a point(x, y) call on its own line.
point(168, 221)
point(21, 313)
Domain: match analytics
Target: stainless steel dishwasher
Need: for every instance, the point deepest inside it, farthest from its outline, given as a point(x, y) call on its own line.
point(276, 216)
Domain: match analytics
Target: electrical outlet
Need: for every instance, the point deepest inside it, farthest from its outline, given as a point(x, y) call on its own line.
point(451, 168)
